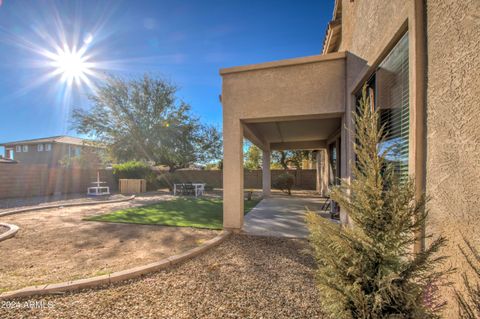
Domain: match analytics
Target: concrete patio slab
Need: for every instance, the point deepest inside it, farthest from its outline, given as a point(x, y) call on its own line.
point(281, 216)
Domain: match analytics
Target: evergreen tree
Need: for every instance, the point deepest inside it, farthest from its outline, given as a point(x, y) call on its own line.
point(469, 301)
point(369, 270)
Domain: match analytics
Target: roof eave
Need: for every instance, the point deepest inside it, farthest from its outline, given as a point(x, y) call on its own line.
point(283, 63)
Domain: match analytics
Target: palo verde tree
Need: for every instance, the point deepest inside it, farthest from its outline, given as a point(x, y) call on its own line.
point(369, 270)
point(142, 119)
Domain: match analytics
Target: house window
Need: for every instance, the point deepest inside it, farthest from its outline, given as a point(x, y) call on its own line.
point(18, 148)
point(24, 148)
point(333, 164)
point(392, 100)
point(39, 147)
point(48, 147)
point(9, 153)
point(388, 89)
point(78, 150)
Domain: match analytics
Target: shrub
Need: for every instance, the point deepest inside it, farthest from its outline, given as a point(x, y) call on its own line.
point(285, 182)
point(369, 270)
point(469, 303)
point(136, 170)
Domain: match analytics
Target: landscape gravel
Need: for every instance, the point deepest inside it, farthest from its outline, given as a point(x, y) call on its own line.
point(244, 277)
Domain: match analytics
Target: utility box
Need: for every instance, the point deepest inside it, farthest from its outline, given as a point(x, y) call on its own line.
point(132, 186)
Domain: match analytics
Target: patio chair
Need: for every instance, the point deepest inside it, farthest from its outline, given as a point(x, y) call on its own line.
point(188, 189)
point(332, 206)
point(327, 204)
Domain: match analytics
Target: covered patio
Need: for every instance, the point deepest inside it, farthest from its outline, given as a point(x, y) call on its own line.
point(282, 216)
point(296, 104)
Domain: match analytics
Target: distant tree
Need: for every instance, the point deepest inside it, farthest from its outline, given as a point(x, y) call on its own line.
point(293, 158)
point(252, 157)
point(214, 165)
point(142, 119)
point(89, 157)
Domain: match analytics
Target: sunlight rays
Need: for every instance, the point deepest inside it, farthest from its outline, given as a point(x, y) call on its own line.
point(62, 54)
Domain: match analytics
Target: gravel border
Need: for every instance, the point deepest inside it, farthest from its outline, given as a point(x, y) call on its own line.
point(244, 277)
point(11, 230)
point(116, 276)
point(42, 207)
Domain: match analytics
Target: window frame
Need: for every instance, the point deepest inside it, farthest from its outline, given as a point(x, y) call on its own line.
point(18, 148)
point(373, 92)
point(48, 147)
point(40, 147)
point(24, 148)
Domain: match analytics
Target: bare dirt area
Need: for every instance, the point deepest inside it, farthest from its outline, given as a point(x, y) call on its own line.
point(244, 277)
point(55, 245)
point(3, 229)
point(7, 204)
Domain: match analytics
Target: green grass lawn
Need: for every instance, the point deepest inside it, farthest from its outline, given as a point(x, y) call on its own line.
point(185, 212)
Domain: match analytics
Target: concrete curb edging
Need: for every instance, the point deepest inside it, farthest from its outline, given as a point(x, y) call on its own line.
point(30, 209)
point(12, 230)
point(118, 276)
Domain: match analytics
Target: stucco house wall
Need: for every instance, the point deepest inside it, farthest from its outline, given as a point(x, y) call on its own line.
point(58, 153)
point(295, 87)
point(33, 156)
point(368, 26)
point(453, 125)
point(449, 155)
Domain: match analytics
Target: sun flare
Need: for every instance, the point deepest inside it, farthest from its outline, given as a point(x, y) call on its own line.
point(71, 64)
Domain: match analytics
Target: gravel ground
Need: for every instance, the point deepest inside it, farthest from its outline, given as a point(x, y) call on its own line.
point(55, 245)
point(10, 203)
point(244, 277)
point(3, 229)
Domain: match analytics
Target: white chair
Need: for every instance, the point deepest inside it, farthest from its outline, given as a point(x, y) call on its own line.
point(98, 190)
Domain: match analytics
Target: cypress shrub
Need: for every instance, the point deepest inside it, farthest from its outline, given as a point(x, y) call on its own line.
point(368, 269)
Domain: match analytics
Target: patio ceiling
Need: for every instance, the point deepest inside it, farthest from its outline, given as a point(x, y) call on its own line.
point(293, 134)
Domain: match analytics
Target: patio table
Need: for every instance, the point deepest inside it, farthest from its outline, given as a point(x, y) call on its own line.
point(199, 188)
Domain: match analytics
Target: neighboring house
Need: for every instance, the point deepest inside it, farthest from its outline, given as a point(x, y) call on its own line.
point(51, 151)
point(6, 160)
point(420, 62)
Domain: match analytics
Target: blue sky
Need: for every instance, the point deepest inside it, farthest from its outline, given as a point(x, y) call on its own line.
point(185, 41)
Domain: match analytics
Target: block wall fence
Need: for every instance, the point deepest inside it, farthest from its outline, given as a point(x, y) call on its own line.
point(18, 180)
point(304, 179)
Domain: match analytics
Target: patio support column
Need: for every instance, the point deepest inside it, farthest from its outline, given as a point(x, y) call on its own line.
point(232, 174)
point(318, 167)
point(326, 171)
point(343, 160)
point(266, 174)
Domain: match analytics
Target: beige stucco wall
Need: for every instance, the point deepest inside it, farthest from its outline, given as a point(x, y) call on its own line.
point(368, 26)
point(286, 90)
point(453, 123)
point(309, 86)
point(452, 104)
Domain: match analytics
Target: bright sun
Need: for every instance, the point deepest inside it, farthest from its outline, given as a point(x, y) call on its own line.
point(71, 64)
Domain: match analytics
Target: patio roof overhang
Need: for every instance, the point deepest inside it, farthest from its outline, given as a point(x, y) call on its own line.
point(288, 104)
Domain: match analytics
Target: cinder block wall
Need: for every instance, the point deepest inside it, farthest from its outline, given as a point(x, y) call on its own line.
point(304, 179)
point(17, 180)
